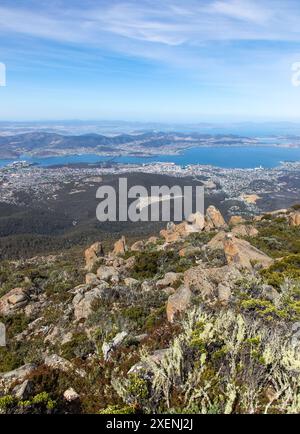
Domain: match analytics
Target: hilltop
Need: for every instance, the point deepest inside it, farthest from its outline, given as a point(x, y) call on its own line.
point(201, 318)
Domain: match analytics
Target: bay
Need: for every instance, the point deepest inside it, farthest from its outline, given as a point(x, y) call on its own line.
point(225, 157)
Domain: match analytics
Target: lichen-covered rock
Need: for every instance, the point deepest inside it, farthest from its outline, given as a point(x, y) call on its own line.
point(178, 302)
point(224, 293)
point(56, 362)
point(217, 242)
point(236, 220)
point(214, 218)
point(70, 395)
point(189, 251)
point(245, 231)
point(83, 303)
point(23, 391)
point(7, 379)
point(242, 254)
point(206, 280)
point(106, 273)
point(108, 347)
point(138, 246)
point(195, 223)
point(294, 219)
point(15, 299)
point(120, 247)
point(130, 282)
point(92, 255)
point(91, 279)
point(168, 280)
point(197, 279)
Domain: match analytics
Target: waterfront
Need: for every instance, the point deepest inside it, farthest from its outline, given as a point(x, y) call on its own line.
point(239, 157)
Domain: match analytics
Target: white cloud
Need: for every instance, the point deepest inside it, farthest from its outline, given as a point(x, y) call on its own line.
point(243, 10)
point(168, 23)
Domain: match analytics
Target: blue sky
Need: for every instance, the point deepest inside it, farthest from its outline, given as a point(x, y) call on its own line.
point(158, 60)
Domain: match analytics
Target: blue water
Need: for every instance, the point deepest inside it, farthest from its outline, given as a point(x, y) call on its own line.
point(226, 157)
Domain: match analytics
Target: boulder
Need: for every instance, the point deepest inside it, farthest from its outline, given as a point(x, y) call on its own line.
point(18, 375)
point(56, 362)
point(174, 233)
point(270, 293)
point(217, 242)
point(108, 347)
point(23, 391)
point(70, 395)
point(224, 294)
point(195, 223)
point(146, 286)
point(130, 282)
point(92, 255)
point(169, 290)
point(178, 302)
point(120, 247)
point(243, 255)
point(152, 240)
point(2, 335)
point(106, 273)
point(139, 246)
point(83, 303)
point(214, 219)
point(236, 220)
point(294, 219)
point(130, 263)
point(91, 279)
point(197, 279)
point(15, 299)
point(168, 280)
point(189, 251)
point(117, 262)
point(245, 231)
point(206, 280)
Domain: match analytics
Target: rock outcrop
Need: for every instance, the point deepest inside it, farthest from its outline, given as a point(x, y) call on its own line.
point(107, 273)
point(18, 375)
point(294, 219)
point(92, 255)
point(83, 302)
point(108, 347)
point(138, 246)
point(205, 281)
point(120, 247)
point(236, 220)
point(178, 302)
point(245, 231)
point(14, 300)
point(56, 362)
point(243, 255)
point(195, 223)
point(70, 395)
point(174, 233)
point(169, 280)
point(214, 219)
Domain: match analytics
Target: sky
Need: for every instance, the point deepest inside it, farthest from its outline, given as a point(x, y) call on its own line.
point(156, 60)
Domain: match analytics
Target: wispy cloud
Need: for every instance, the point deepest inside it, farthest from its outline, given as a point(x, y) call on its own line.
point(167, 23)
point(249, 11)
point(232, 45)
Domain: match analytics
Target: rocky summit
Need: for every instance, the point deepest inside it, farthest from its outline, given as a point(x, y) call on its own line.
point(201, 318)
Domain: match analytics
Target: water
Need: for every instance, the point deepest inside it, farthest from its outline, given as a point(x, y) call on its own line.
point(226, 157)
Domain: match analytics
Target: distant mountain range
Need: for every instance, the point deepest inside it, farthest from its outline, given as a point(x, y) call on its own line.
point(44, 143)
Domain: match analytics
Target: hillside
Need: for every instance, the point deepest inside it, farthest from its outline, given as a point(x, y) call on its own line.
point(202, 318)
